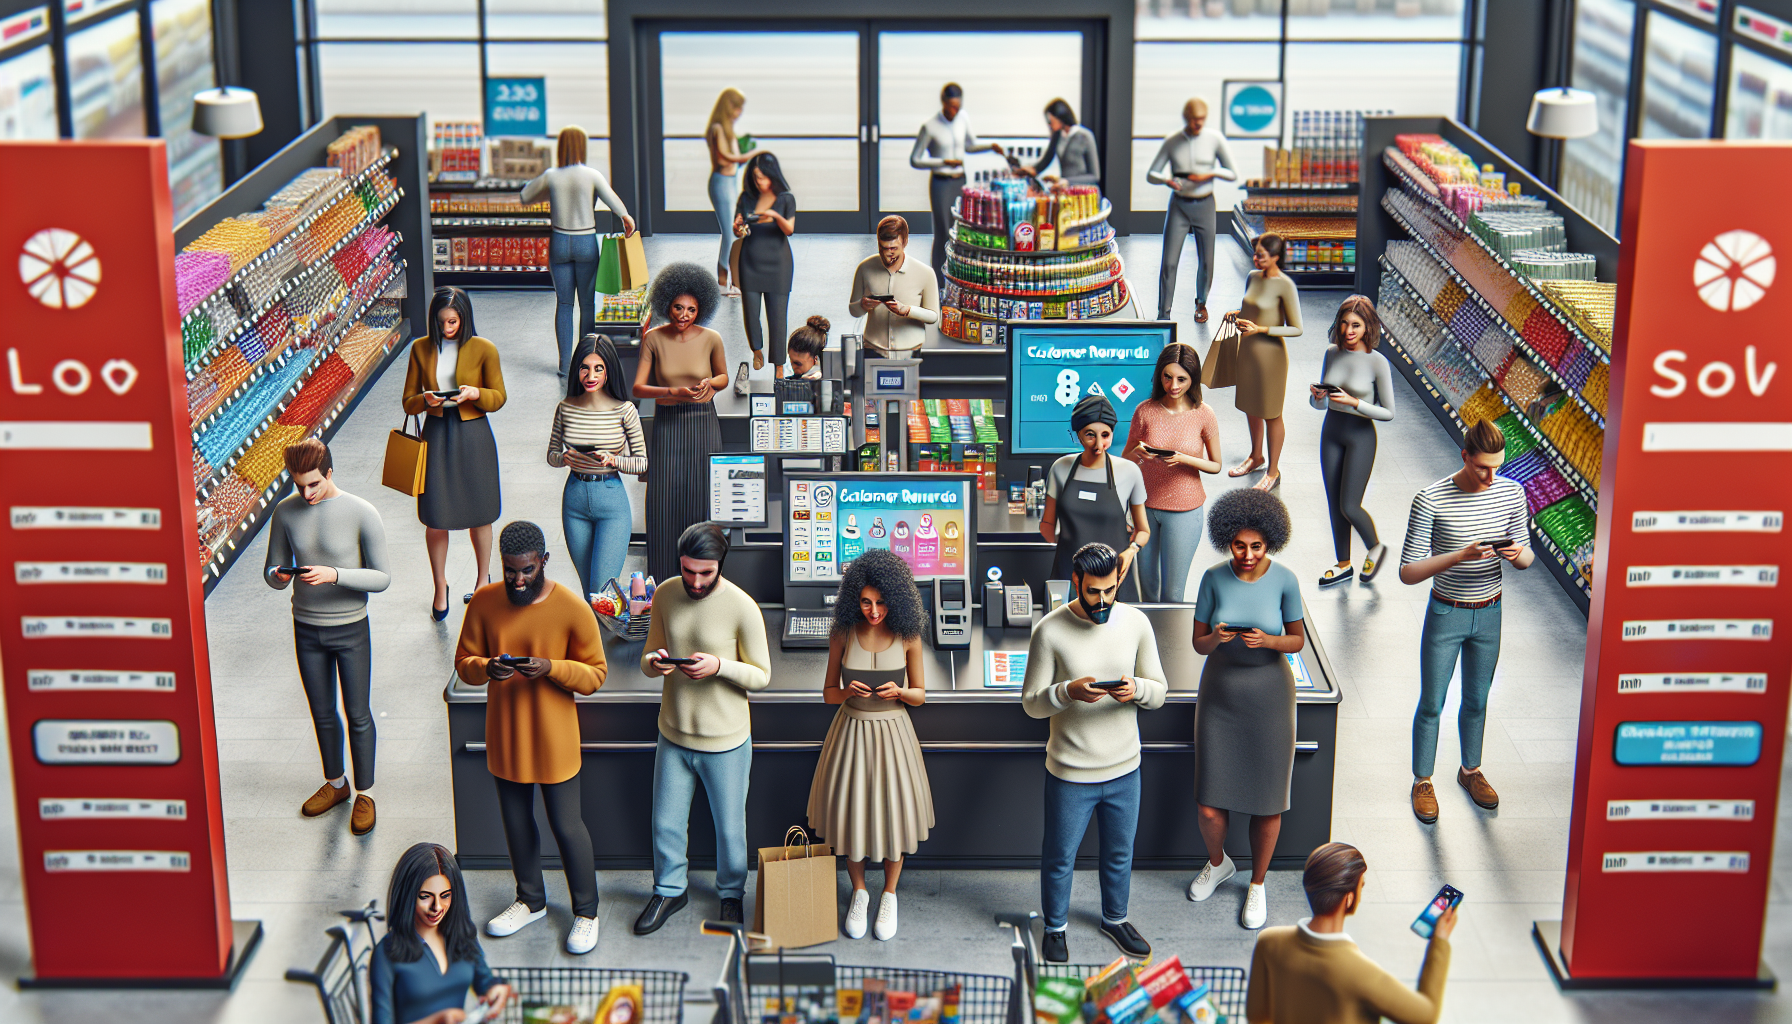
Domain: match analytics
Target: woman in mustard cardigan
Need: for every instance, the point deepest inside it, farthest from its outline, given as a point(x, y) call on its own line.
point(455, 378)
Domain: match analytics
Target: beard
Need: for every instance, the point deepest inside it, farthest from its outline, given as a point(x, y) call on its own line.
point(696, 594)
point(528, 594)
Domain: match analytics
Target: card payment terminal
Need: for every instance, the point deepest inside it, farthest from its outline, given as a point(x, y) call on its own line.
point(951, 613)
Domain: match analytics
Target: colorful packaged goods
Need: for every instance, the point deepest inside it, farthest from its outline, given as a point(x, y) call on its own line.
point(355, 150)
point(1484, 404)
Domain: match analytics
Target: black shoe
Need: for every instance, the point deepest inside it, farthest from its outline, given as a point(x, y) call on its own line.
point(658, 909)
point(1056, 947)
point(1127, 938)
point(731, 910)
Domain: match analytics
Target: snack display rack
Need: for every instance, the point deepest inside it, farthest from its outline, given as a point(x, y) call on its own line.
point(1308, 195)
point(297, 286)
point(1477, 337)
point(1018, 252)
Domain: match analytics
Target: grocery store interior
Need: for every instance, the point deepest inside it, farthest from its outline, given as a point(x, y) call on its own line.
point(1462, 163)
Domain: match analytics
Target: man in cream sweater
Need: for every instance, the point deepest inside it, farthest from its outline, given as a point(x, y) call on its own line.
point(1091, 666)
point(705, 723)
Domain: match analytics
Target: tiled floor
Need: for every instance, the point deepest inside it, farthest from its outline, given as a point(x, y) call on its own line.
point(292, 874)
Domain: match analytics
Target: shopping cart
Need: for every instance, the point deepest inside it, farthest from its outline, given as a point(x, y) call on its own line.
point(662, 992)
point(340, 977)
point(1226, 986)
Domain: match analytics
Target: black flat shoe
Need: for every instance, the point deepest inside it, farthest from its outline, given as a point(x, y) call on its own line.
point(438, 614)
point(731, 910)
point(1127, 938)
point(1055, 948)
point(658, 910)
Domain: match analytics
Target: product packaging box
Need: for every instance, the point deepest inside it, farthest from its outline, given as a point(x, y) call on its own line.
point(476, 251)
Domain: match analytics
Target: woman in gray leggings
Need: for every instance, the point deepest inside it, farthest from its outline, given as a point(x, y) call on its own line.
point(1356, 388)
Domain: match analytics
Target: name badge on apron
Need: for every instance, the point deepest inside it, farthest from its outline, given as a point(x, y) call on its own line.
point(1087, 495)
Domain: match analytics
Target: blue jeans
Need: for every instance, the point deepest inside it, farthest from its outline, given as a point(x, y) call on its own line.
point(676, 772)
point(1475, 634)
point(1068, 805)
point(1165, 561)
point(596, 517)
point(724, 192)
point(572, 262)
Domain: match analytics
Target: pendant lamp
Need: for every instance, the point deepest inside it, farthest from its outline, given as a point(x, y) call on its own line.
point(227, 113)
point(1563, 113)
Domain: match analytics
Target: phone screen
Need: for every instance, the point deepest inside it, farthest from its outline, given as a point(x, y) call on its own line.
point(678, 661)
point(1109, 684)
point(1505, 542)
point(1426, 923)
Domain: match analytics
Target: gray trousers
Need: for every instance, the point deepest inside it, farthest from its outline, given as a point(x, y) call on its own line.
point(1183, 216)
point(942, 192)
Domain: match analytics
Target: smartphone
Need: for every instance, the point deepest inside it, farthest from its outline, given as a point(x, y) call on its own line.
point(511, 660)
point(1498, 544)
point(445, 394)
point(584, 449)
point(678, 661)
point(1160, 452)
point(1328, 387)
point(1109, 684)
point(1447, 897)
point(290, 570)
point(881, 298)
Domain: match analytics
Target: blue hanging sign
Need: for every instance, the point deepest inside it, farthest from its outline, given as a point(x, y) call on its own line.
point(1687, 743)
point(1251, 110)
point(516, 106)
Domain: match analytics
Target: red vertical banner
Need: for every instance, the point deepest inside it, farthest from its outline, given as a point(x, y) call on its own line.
point(102, 618)
point(1689, 644)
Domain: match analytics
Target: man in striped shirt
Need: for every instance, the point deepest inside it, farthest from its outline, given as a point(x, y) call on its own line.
point(1460, 528)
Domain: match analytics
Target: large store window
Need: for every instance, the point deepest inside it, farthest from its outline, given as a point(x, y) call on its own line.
point(105, 71)
point(27, 77)
point(1760, 97)
point(183, 37)
point(1592, 167)
point(365, 56)
point(1679, 80)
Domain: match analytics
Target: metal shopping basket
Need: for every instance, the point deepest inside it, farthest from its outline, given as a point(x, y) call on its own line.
point(662, 992)
point(1226, 986)
point(340, 977)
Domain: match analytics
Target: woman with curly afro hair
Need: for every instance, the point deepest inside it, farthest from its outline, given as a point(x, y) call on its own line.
point(681, 367)
point(870, 797)
point(1247, 616)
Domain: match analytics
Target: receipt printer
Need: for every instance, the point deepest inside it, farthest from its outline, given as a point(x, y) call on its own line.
point(951, 613)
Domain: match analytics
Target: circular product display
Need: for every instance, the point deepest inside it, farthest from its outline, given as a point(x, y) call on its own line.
point(1021, 253)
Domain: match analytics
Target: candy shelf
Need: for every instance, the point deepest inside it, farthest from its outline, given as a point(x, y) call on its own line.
point(1562, 568)
point(488, 222)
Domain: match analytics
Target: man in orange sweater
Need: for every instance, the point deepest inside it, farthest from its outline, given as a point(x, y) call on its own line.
point(535, 644)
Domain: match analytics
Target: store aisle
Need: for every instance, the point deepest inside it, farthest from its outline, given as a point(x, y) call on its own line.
point(293, 873)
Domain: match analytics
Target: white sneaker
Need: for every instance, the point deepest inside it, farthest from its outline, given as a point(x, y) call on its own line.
point(583, 937)
point(1255, 912)
point(1210, 878)
point(885, 928)
point(513, 919)
point(855, 914)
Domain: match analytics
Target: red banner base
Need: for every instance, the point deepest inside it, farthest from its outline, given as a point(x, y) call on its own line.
point(245, 936)
point(1548, 936)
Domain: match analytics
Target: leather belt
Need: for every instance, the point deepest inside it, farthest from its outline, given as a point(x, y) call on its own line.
point(1471, 605)
point(590, 478)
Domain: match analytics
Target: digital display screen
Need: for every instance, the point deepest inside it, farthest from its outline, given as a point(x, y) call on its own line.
point(892, 380)
point(1055, 364)
point(737, 490)
point(830, 520)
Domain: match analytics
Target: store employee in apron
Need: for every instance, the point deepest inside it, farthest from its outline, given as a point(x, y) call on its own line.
point(1094, 497)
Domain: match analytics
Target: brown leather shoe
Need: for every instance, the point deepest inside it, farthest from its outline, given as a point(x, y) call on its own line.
point(1424, 802)
point(1200, 314)
point(360, 820)
point(1479, 789)
point(326, 797)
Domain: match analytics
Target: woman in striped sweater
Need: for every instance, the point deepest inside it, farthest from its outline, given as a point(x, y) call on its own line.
point(596, 435)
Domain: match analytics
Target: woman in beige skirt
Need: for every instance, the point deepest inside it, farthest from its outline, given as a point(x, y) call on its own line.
point(870, 797)
point(1267, 317)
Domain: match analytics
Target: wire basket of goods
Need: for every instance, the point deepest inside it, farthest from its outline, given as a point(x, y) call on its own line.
point(611, 605)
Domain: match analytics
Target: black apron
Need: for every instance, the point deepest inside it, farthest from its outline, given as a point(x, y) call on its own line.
point(1089, 512)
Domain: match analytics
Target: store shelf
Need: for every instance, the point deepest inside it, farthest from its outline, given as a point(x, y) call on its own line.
point(1423, 192)
point(458, 221)
point(1029, 252)
point(1563, 569)
point(292, 235)
point(1308, 275)
point(1050, 296)
point(1338, 188)
point(1414, 372)
point(465, 181)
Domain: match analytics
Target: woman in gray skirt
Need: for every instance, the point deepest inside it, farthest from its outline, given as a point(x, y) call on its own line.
point(1247, 616)
point(455, 377)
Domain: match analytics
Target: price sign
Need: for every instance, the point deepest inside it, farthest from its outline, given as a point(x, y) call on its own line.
point(516, 106)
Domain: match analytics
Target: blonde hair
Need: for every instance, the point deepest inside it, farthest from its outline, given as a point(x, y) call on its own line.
point(571, 149)
point(728, 105)
point(1195, 107)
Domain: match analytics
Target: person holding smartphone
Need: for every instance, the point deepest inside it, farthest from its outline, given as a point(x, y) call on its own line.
point(1462, 530)
point(764, 220)
point(707, 641)
point(897, 296)
point(1313, 973)
point(1247, 616)
point(597, 437)
point(941, 144)
point(1092, 666)
point(1175, 437)
point(430, 958)
point(1356, 390)
point(871, 798)
point(534, 644)
point(334, 544)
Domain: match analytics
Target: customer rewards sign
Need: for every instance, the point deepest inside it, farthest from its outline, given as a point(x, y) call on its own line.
point(1055, 370)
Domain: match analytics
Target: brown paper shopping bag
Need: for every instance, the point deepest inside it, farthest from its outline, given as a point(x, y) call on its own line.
point(1219, 368)
point(797, 898)
point(407, 456)
point(633, 262)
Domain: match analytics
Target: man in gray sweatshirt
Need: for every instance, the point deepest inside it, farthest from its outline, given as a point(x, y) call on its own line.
point(334, 544)
point(1091, 666)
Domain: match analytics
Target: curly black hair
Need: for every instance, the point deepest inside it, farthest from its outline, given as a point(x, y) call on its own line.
point(521, 537)
point(886, 571)
point(675, 279)
point(1248, 509)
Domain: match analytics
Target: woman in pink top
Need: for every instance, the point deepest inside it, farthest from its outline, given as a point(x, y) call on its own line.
point(1175, 438)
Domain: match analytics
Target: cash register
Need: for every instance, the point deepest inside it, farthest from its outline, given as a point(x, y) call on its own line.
point(831, 518)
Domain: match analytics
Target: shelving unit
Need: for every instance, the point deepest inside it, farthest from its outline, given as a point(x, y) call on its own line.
point(1447, 258)
point(1248, 222)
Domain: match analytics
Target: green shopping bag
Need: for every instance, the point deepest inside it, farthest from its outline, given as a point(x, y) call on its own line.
point(609, 266)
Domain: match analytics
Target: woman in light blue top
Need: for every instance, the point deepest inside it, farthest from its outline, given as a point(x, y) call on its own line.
point(1356, 388)
point(1247, 616)
point(430, 956)
point(574, 189)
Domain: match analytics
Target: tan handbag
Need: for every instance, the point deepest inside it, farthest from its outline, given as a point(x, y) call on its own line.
point(1219, 367)
point(798, 901)
point(407, 457)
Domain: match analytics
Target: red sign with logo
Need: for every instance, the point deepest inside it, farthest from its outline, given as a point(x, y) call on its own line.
point(102, 619)
point(1689, 652)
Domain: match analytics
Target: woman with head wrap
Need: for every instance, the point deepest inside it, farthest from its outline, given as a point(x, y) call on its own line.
point(1092, 496)
point(681, 367)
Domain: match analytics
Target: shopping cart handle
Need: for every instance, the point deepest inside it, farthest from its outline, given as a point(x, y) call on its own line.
point(721, 928)
point(1017, 920)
